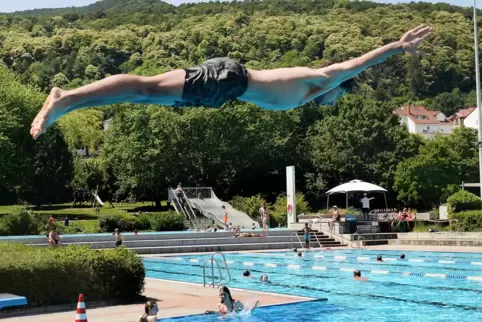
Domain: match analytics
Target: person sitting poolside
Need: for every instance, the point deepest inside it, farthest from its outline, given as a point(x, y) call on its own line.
point(228, 304)
point(150, 312)
point(357, 276)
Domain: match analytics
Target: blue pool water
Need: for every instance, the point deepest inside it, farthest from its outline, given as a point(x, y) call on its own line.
point(426, 286)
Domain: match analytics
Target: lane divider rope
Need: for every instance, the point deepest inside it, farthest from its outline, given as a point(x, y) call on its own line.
point(324, 268)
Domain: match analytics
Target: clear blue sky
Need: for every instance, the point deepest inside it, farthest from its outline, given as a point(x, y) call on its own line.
point(17, 5)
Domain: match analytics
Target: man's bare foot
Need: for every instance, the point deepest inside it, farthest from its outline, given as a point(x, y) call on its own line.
point(49, 113)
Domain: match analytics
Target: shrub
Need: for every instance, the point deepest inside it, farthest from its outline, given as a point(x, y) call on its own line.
point(464, 200)
point(167, 221)
point(124, 222)
point(468, 220)
point(145, 221)
point(279, 213)
point(248, 205)
point(19, 222)
point(53, 276)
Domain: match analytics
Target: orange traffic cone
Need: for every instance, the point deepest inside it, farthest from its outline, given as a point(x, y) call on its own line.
point(80, 315)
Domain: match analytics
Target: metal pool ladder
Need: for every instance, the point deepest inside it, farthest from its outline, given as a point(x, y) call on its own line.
point(213, 261)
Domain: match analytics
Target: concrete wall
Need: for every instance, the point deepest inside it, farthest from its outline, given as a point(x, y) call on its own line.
point(441, 235)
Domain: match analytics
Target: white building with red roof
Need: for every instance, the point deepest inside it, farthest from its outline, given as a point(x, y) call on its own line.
point(470, 117)
point(420, 120)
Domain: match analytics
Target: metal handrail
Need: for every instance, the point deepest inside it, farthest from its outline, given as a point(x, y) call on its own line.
point(319, 243)
point(189, 213)
point(331, 231)
point(359, 241)
point(297, 236)
point(213, 260)
point(188, 202)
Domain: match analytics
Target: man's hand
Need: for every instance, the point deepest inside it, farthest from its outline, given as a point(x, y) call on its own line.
point(412, 38)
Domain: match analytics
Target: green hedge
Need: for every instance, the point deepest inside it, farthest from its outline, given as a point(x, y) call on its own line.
point(21, 222)
point(464, 200)
point(124, 222)
point(167, 221)
point(54, 276)
point(468, 220)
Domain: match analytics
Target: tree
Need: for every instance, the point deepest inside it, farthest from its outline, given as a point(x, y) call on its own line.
point(140, 146)
point(429, 178)
point(448, 103)
point(361, 140)
point(28, 167)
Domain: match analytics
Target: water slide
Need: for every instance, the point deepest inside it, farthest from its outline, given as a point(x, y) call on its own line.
point(204, 200)
point(98, 199)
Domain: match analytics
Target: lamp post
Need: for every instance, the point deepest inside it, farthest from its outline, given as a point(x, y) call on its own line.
point(477, 84)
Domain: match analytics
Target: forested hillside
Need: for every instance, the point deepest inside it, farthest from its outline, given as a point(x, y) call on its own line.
point(238, 149)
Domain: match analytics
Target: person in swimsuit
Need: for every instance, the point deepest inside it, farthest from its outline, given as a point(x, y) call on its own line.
point(228, 304)
point(220, 80)
point(357, 276)
point(54, 238)
point(225, 211)
point(118, 238)
point(150, 312)
point(306, 231)
point(246, 235)
point(335, 217)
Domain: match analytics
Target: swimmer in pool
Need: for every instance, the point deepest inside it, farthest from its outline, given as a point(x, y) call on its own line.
point(220, 80)
point(300, 254)
point(264, 278)
point(379, 259)
point(357, 276)
point(402, 256)
point(150, 312)
point(247, 273)
point(228, 304)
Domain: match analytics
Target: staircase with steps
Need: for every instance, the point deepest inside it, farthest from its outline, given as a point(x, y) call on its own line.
point(183, 242)
point(315, 236)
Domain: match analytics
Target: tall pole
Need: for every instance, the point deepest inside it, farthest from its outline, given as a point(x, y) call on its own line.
point(477, 84)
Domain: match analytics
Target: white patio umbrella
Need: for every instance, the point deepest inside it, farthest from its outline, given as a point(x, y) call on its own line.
point(356, 186)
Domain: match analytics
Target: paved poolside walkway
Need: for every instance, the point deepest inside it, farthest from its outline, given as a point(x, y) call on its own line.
point(173, 298)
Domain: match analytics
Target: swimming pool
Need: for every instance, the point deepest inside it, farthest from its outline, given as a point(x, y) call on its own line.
point(428, 286)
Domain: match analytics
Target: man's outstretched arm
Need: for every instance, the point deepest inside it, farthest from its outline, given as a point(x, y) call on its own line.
point(351, 68)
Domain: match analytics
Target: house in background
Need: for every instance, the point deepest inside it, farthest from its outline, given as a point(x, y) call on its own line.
point(471, 117)
point(420, 120)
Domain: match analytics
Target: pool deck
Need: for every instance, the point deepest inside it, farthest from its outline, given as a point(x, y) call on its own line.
point(173, 298)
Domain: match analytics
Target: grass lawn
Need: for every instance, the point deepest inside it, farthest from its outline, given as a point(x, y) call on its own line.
point(59, 211)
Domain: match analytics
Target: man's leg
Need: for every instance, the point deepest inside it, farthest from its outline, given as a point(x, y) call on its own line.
point(163, 89)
